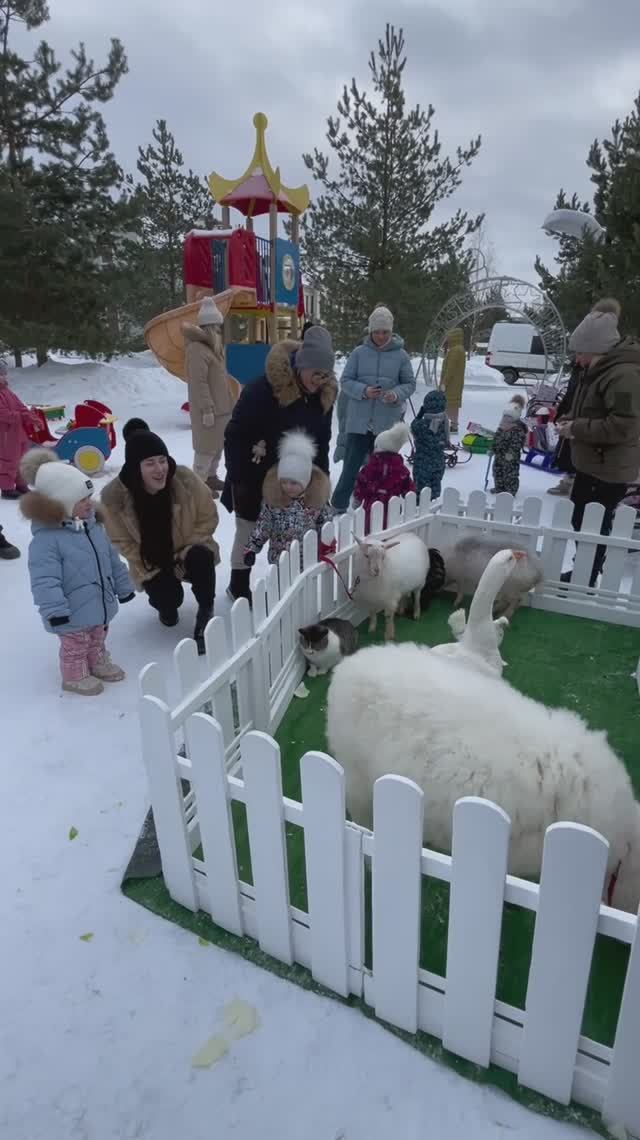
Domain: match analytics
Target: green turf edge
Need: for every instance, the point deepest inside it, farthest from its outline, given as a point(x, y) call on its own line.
point(153, 896)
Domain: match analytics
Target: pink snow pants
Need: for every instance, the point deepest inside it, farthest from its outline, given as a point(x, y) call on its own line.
point(80, 651)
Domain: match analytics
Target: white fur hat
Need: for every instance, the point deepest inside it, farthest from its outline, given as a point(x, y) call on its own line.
point(296, 452)
point(209, 313)
point(59, 481)
point(393, 439)
point(381, 320)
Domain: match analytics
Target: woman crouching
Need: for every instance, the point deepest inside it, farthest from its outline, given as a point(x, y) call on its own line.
point(161, 517)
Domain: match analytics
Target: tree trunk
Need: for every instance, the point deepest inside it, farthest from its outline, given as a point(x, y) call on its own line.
point(17, 356)
point(41, 356)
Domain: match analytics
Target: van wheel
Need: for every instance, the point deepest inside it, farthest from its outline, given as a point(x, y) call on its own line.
point(509, 375)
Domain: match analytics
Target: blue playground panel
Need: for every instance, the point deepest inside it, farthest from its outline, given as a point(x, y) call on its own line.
point(81, 437)
point(246, 362)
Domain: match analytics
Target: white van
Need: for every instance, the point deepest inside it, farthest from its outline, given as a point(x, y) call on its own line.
point(515, 349)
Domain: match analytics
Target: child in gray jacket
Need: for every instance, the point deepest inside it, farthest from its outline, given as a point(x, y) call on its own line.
point(77, 578)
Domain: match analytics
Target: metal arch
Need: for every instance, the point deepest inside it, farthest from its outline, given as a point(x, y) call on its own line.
point(509, 293)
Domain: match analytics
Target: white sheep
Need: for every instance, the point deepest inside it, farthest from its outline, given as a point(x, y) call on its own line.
point(388, 571)
point(458, 732)
point(467, 560)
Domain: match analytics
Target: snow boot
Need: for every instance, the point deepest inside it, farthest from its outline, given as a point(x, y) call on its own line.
point(86, 687)
point(7, 549)
point(239, 585)
point(564, 487)
point(169, 617)
point(106, 670)
point(203, 617)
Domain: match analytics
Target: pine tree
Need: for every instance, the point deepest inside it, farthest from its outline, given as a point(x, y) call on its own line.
point(59, 201)
point(589, 270)
point(169, 201)
point(369, 234)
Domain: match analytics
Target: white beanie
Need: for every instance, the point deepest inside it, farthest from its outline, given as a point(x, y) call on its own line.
point(381, 320)
point(393, 439)
point(209, 313)
point(58, 481)
point(296, 452)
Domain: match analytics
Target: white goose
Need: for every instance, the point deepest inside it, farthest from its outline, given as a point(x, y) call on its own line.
point(478, 640)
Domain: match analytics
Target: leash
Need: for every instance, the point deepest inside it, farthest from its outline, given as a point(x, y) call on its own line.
point(324, 552)
point(612, 884)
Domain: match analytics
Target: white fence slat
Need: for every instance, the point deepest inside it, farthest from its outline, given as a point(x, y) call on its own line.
point(376, 518)
point(187, 665)
point(479, 866)
point(323, 799)
point(574, 864)
point(635, 581)
point(217, 652)
point(424, 505)
point(503, 509)
point(531, 512)
point(410, 506)
point(398, 810)
point(206, 744)
point(355, 903)
point(309, 549)
point(273, 593)
point(345, 532)
point(295, 568)
point(623, 523)
point(585, 551)
point(394, 512)
point(477, 505)
point(241, 635)
point(158, 749)
point(259, 599)
point(274, 639)
point(622, 1100)
point(327, 578)
point(554, 548)
point(265, 822)
point(151, 682)
point(357, 519)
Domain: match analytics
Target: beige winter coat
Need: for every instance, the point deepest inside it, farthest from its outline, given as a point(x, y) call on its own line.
point(209, 388)
point(195, 518)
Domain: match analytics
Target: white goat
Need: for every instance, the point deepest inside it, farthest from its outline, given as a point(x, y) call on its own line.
point(386, 572)
point(467, 560)
point(459, 732)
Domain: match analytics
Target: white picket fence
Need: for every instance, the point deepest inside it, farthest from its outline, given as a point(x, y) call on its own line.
point(229, 756)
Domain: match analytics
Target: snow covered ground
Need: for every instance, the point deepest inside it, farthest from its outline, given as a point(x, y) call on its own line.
point(97, 1034)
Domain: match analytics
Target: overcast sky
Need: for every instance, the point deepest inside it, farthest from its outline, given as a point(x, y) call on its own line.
point(539, 79)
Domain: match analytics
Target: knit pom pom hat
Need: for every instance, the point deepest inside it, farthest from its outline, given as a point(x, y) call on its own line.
point(381, 320)
point(598, 332)
point(58, 481)
point(209, 314)
point(296, 453)
point(393, 439)
point(141, 443)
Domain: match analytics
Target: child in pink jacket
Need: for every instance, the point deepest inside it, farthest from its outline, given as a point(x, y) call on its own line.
point(15, 420)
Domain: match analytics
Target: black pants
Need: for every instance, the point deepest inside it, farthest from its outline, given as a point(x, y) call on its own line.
point(357, 449)
point(165, 591)
point(587, 489)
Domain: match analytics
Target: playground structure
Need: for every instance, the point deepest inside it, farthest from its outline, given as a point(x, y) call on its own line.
point(88, 440)
point(255, 281)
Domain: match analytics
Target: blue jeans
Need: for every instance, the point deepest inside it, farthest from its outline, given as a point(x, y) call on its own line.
point(357, 449)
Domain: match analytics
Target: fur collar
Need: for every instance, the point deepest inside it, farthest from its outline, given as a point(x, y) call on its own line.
point(117, 498)
point(39, 508)
point(282, 378)
point(316, 495)
point(204, 336)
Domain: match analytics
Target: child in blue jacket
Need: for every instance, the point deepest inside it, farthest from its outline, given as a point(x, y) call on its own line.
point(77, 578)
point(430, 431)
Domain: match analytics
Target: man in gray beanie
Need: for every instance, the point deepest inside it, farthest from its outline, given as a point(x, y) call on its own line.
point(603, 424)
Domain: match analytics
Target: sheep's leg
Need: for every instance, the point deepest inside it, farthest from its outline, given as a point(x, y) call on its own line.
point(511, 609)
point(373, 621)
point(459, 599)
point(416, 605)
point(390, 625)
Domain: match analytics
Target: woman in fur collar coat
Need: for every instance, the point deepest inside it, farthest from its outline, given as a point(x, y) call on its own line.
point(211, 398)
point(295, 498)
point(298, 390)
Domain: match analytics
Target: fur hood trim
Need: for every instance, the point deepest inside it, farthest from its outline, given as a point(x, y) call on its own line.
point(282, 378)
point(203, 336)
point(39, 508)
point(316, 495)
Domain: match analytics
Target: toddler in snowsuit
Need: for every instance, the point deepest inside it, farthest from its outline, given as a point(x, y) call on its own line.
point(15, 420)
point(507, 447)
point(295, 499)
point(430, 431)
point(77, 578)
point(384, 475)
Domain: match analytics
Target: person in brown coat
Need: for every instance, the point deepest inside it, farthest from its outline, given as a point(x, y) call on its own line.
point(210, 396)
point(603, 424)
point(452, 377)
point(161, 517)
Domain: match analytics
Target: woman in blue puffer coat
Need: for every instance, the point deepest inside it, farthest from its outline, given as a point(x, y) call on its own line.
point(77, 578)
point(376, 383)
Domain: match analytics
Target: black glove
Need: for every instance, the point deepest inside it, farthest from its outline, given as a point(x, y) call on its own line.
point(55, 621)
point(249, 558)
point(127, 598)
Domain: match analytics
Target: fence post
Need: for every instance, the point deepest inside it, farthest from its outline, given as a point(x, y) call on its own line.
point(158, 750)
point(585, 550)
point(621, 1100)
point(151, 682)
point(398, 809)
point(574, 864)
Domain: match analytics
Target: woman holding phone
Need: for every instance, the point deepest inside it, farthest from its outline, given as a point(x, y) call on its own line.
point(376, 383)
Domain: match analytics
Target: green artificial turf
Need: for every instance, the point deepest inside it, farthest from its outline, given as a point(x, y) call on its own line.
point(561, 661)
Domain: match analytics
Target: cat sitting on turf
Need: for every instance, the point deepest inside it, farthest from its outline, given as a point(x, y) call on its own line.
point(326, 643)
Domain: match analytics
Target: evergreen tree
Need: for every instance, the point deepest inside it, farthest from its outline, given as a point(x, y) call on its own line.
point(59, 182)
point(169, 202)
point(587, 269)
point(369, 234)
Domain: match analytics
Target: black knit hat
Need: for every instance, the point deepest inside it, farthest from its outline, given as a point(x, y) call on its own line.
point(141, 443)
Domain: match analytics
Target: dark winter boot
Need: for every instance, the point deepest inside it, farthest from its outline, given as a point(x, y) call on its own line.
point(203, 617)
point(168, 617)
point(239, 586)
point(7, 550)
point(16, 493)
